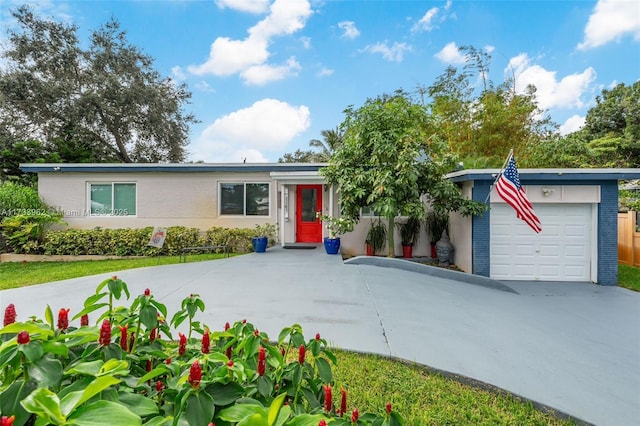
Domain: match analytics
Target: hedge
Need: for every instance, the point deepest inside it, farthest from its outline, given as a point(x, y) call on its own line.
point(133, 242)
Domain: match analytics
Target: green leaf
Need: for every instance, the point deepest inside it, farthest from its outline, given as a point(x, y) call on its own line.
point(283, 416)
point(158, 371)
point(274, 409)
point(225, 394)
point(178, 318)
point(44, 403)
point(149, 317)
point(48, 316)
point(114, 367)
point(162, 308)
point(33, 328)
point(253, 420)
point(91, 368)
point(138, 404)
point(104, 413)
point(32, 350)
point(199, 409)
point(237, 412)
point(10, 399)
point(324, 370)
point(91, 300)
point(158, 421)
point(56, 348)
point(307, 420)
point(47, 372)
point(265, 386)
point(95, 387)
point(115, 288)
point(89, 309)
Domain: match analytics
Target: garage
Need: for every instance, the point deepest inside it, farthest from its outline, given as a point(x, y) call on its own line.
point(563, 251)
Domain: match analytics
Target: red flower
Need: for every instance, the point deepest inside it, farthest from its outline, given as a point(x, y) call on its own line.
point(283, 351)
point(149, 365)
point(322, 423)
point(23, 337)
point(159, 386)
point(205, 341)
point(9, 314)
point(256, 332)
point(7, 421)
point(124, 337)
point(152, 335)
point(301, 353)
point(244, 321)
point(318, 337)
point(63, 319)
point(195, 374)
point(354, 415)
point(114, 278)
point(183, 344)
point(105, 333)
point(168, 361)
point(343, 402)
point(230, 363)
point(229, 349)
point(147, 292)
point(132, 339)
point(328, 403)
point(388, 408)
point(84, 320)
point(227, 326)
point(261, 361)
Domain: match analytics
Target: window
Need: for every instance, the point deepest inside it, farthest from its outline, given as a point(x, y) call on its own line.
point(247, 199)
point(368, 211)
point(113, 199)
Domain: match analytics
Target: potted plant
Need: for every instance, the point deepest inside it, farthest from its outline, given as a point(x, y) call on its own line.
point(436, 222)
point(409, 232)
point(376, 236)
point(336, 226)
point(263, 233)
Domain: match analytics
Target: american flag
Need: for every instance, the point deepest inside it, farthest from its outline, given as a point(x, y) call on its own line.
point(511, 191)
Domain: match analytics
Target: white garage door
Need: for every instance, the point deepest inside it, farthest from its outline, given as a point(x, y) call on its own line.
point(561, 252)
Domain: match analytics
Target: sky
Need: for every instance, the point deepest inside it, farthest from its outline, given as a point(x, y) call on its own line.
point(267, 76)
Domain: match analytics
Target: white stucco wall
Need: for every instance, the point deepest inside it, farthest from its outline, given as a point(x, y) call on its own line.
point(460, 234)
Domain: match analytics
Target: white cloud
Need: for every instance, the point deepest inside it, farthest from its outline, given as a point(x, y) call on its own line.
point(450, 54)
point(260, 75)
point(245, 57)
point(267, 125)
point(178, 73)
point(394, 53)
point(566, 92)
point(573, 124)
point(306, 42)
point(251, 6)
point(349, 28)
point(203, 86)
point(325, 72)
point(610, 20)
point(427, 22)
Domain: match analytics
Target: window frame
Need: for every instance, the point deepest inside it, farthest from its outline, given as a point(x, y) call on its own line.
point(112, 183)
point(244, 198)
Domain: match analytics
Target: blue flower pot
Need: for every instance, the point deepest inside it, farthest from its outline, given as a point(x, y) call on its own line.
point(331, 245)
point(259, 244)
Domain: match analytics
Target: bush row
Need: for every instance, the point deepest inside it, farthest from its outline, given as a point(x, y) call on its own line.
point(134, 242)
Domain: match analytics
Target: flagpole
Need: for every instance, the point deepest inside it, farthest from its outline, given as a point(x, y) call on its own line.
point(504, 165)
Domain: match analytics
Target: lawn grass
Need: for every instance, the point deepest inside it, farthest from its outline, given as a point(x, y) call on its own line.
point(629, 277)
point(20, 274)
point(422, 397)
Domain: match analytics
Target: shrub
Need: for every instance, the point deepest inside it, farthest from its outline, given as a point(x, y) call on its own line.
point(238, 239)
point(129, 369)
point(16, 199)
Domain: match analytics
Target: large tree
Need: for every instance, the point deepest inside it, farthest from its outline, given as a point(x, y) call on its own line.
point(108, 96)
point(389, 158)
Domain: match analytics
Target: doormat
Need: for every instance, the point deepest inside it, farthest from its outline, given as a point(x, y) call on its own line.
point(300, 246)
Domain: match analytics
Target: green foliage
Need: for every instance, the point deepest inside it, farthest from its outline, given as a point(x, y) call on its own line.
point(16, 199)
point(376, 235)
point(99, 99)
point(24, 233)
point(129, 369)
point(337, 225)
point(409, 230)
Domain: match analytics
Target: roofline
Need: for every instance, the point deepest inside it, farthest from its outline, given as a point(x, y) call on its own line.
point(168, 167)
point(548, 174)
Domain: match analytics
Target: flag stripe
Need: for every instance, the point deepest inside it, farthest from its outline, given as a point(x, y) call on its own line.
point(511, 191)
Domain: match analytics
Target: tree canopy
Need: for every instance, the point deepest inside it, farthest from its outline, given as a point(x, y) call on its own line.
point(389, 158)
point(106, 98)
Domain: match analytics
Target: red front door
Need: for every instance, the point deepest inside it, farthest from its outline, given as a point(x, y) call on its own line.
point(308, 211)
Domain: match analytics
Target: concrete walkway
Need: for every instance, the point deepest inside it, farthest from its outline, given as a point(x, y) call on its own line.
point(572, 346)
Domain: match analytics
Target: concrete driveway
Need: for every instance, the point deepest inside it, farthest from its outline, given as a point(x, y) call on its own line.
point(571, 346)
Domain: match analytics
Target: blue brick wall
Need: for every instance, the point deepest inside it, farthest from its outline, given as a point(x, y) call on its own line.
point(480, 235)
point(608, 234)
